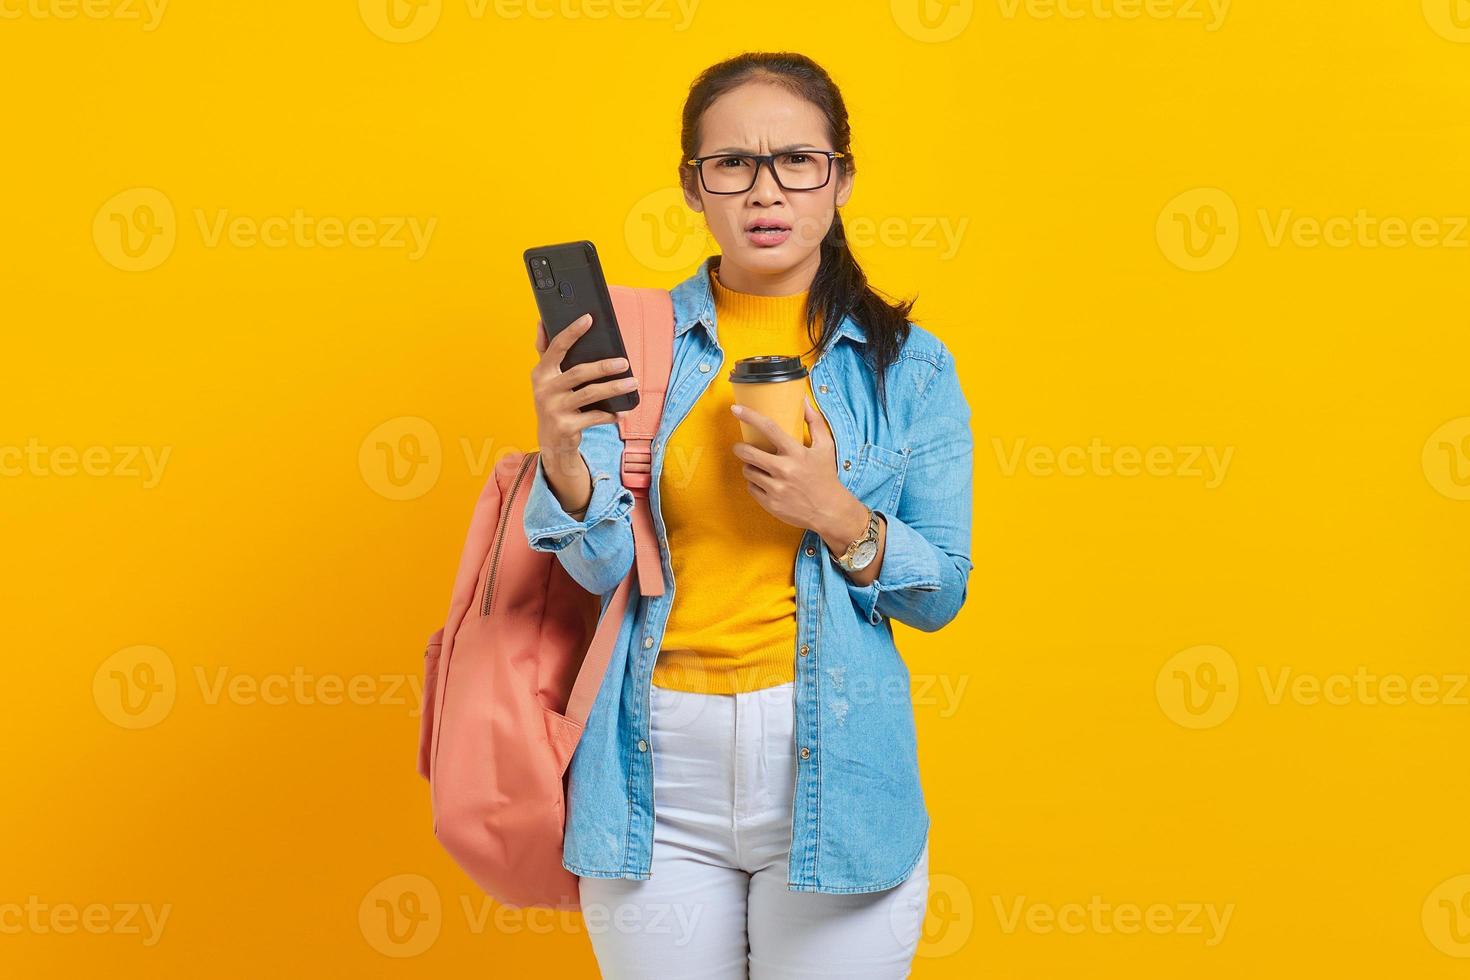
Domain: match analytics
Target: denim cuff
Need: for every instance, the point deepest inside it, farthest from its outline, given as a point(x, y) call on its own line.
point(909, 562)
point(550, 528)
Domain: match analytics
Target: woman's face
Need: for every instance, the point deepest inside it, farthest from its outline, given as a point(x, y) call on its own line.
point(757, 118)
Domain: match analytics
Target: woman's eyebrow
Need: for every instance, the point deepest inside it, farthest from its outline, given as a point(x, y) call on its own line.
point(780, 149)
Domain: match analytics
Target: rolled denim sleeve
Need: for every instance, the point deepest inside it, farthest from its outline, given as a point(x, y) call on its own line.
point(597, 551)
point(925, 574)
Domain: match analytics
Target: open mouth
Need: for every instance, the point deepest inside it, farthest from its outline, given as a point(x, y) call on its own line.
point(766, 231)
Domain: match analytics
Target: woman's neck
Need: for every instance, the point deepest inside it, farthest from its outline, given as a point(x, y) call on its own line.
point(787, 282)
point(749, 313)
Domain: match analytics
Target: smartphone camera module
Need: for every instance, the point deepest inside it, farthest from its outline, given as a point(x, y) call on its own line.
point(541, 272)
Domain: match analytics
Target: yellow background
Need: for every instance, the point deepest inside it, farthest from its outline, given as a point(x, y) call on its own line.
point(1062, 754)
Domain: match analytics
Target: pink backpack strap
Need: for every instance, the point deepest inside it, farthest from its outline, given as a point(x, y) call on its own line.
point(646, 317)
point(646, 320)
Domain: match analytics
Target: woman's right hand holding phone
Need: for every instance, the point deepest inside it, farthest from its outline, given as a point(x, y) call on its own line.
point(559, 416)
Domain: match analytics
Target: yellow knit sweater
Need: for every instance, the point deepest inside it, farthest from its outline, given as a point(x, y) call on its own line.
point(732, 626)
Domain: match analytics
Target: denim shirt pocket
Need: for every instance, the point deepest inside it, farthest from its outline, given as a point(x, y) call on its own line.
point(880, 475)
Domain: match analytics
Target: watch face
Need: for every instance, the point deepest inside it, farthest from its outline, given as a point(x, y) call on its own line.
point(866, 552)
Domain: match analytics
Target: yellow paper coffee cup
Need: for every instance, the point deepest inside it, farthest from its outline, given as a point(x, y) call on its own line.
point(775, 386)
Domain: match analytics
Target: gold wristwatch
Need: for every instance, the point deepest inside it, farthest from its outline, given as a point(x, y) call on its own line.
point(860, 553)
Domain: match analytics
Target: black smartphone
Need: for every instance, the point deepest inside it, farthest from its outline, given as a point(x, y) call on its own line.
point(568, 282)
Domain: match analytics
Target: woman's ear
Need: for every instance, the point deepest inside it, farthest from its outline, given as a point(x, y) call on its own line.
point(691, 195)
point(844, 188)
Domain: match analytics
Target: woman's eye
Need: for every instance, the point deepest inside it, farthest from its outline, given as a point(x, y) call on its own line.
point(796, 157)
point(730, 162)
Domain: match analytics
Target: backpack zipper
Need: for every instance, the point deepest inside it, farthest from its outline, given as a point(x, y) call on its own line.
point(493, 561)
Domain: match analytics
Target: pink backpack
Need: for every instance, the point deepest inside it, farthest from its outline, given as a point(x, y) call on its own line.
point(511, 677)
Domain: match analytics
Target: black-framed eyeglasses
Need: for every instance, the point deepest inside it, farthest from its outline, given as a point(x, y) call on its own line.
point(794, 170)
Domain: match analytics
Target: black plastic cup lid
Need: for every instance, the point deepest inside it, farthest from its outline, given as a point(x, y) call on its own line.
point(767, 368)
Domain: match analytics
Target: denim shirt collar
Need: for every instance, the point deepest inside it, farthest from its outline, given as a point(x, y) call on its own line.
point(694, 302)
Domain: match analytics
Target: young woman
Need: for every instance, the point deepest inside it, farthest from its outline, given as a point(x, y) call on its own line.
point(789, 836)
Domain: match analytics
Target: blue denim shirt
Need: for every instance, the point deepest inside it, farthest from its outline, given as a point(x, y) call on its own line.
point(859, 822)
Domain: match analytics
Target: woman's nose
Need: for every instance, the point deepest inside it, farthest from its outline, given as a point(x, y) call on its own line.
point(766, 188)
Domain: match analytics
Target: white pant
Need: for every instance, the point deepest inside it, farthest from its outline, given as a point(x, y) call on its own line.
point(724, 778)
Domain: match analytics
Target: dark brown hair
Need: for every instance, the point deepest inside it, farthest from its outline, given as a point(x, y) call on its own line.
point(840, 287)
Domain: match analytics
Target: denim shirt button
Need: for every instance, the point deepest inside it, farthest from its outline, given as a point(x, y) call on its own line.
point(806, 753)
point(647, 642)
point(642, 745)
point(810, 551)
point(704, 368)
point(804, 650)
